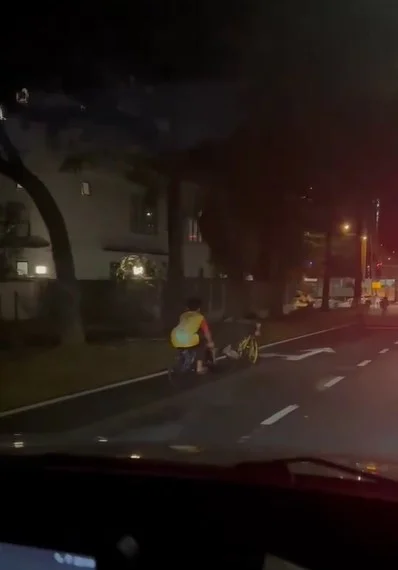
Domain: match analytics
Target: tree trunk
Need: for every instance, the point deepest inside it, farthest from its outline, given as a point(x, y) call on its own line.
point(68, 304)
point(327, 272)
point(277, 286)
point(174, 301)
point(70, 325)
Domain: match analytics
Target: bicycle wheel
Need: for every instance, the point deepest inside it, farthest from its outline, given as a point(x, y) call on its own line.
point(252, 351)
point(243, 346)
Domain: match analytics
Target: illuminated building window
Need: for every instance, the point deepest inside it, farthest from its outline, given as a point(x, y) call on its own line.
point(41, 270)
point(85, 189)
point(22, 268)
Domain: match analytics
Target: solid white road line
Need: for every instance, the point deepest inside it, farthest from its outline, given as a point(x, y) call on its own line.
point(75, 395)
point(307, 335)
point(384, 350)
point(333, 381)
point(382, 328)
point(279, 415)
point(364, 363)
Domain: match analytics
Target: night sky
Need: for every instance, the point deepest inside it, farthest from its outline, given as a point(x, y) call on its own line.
point(337, 52)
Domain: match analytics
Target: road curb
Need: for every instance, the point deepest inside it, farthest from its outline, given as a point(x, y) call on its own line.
point(113, 386)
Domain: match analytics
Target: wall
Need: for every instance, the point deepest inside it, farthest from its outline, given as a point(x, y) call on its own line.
point(132, 306)
point(20, 300)
point(196, 260)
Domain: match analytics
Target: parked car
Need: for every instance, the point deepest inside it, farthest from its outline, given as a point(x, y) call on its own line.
point(302, 300)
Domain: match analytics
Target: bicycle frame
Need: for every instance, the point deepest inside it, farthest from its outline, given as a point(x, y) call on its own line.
point(248, 346)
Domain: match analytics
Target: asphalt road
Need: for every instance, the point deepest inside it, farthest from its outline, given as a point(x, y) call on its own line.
point(341, 402)
point(296, 400)
point(74, 414)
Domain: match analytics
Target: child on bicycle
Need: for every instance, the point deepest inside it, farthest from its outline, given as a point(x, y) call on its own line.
point(193, 332)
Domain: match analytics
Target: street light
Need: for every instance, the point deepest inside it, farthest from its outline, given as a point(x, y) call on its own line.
point(363, 255)
point(346, 227)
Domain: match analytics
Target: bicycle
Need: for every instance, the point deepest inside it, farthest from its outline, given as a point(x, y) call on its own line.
point(185, 365)
point(248, 347)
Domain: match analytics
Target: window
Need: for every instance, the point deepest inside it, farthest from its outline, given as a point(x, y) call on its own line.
point(22, 268)
point(85, 189)
point(14, 219)
point(194, 234)
point(144, 213)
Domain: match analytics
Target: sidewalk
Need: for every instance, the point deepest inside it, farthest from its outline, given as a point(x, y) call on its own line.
point(31, 375)
point(376, 318)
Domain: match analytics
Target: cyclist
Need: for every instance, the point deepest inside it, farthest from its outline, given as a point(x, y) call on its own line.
point(384, 305)
point(193, 332)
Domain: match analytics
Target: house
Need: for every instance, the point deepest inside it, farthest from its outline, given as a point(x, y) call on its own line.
point(108, 215)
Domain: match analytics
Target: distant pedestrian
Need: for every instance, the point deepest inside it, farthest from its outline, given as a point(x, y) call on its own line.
point(384, 305)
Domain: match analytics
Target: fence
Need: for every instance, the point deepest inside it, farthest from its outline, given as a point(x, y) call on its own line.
point(132, 305)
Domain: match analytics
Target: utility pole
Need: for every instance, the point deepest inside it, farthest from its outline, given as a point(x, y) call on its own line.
point(375, 243)
point(327, 271)
point(358, 259)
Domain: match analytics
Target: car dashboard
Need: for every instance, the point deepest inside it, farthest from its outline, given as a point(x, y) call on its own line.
point(89, 513)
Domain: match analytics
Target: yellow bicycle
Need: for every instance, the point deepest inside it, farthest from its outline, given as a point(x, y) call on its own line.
point(248, 347)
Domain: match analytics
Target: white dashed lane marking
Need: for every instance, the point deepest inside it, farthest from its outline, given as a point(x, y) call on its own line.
point(364, 363)
point(321, 386)
point(279, 415)
point(333, 381)
point(328, 382)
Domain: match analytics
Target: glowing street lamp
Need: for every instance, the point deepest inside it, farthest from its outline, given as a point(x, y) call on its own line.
point(346, 227)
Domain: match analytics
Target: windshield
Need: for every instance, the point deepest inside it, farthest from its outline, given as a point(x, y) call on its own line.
point(198, 232)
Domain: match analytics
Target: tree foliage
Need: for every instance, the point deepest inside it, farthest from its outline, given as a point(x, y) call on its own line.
point(137, 268)
point(252, 211)
point(13, 167)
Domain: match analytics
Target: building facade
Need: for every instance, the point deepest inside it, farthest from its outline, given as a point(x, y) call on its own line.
point(107, 215)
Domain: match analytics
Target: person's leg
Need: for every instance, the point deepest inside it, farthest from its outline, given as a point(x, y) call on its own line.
point(201, 355)
point(182, 359)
